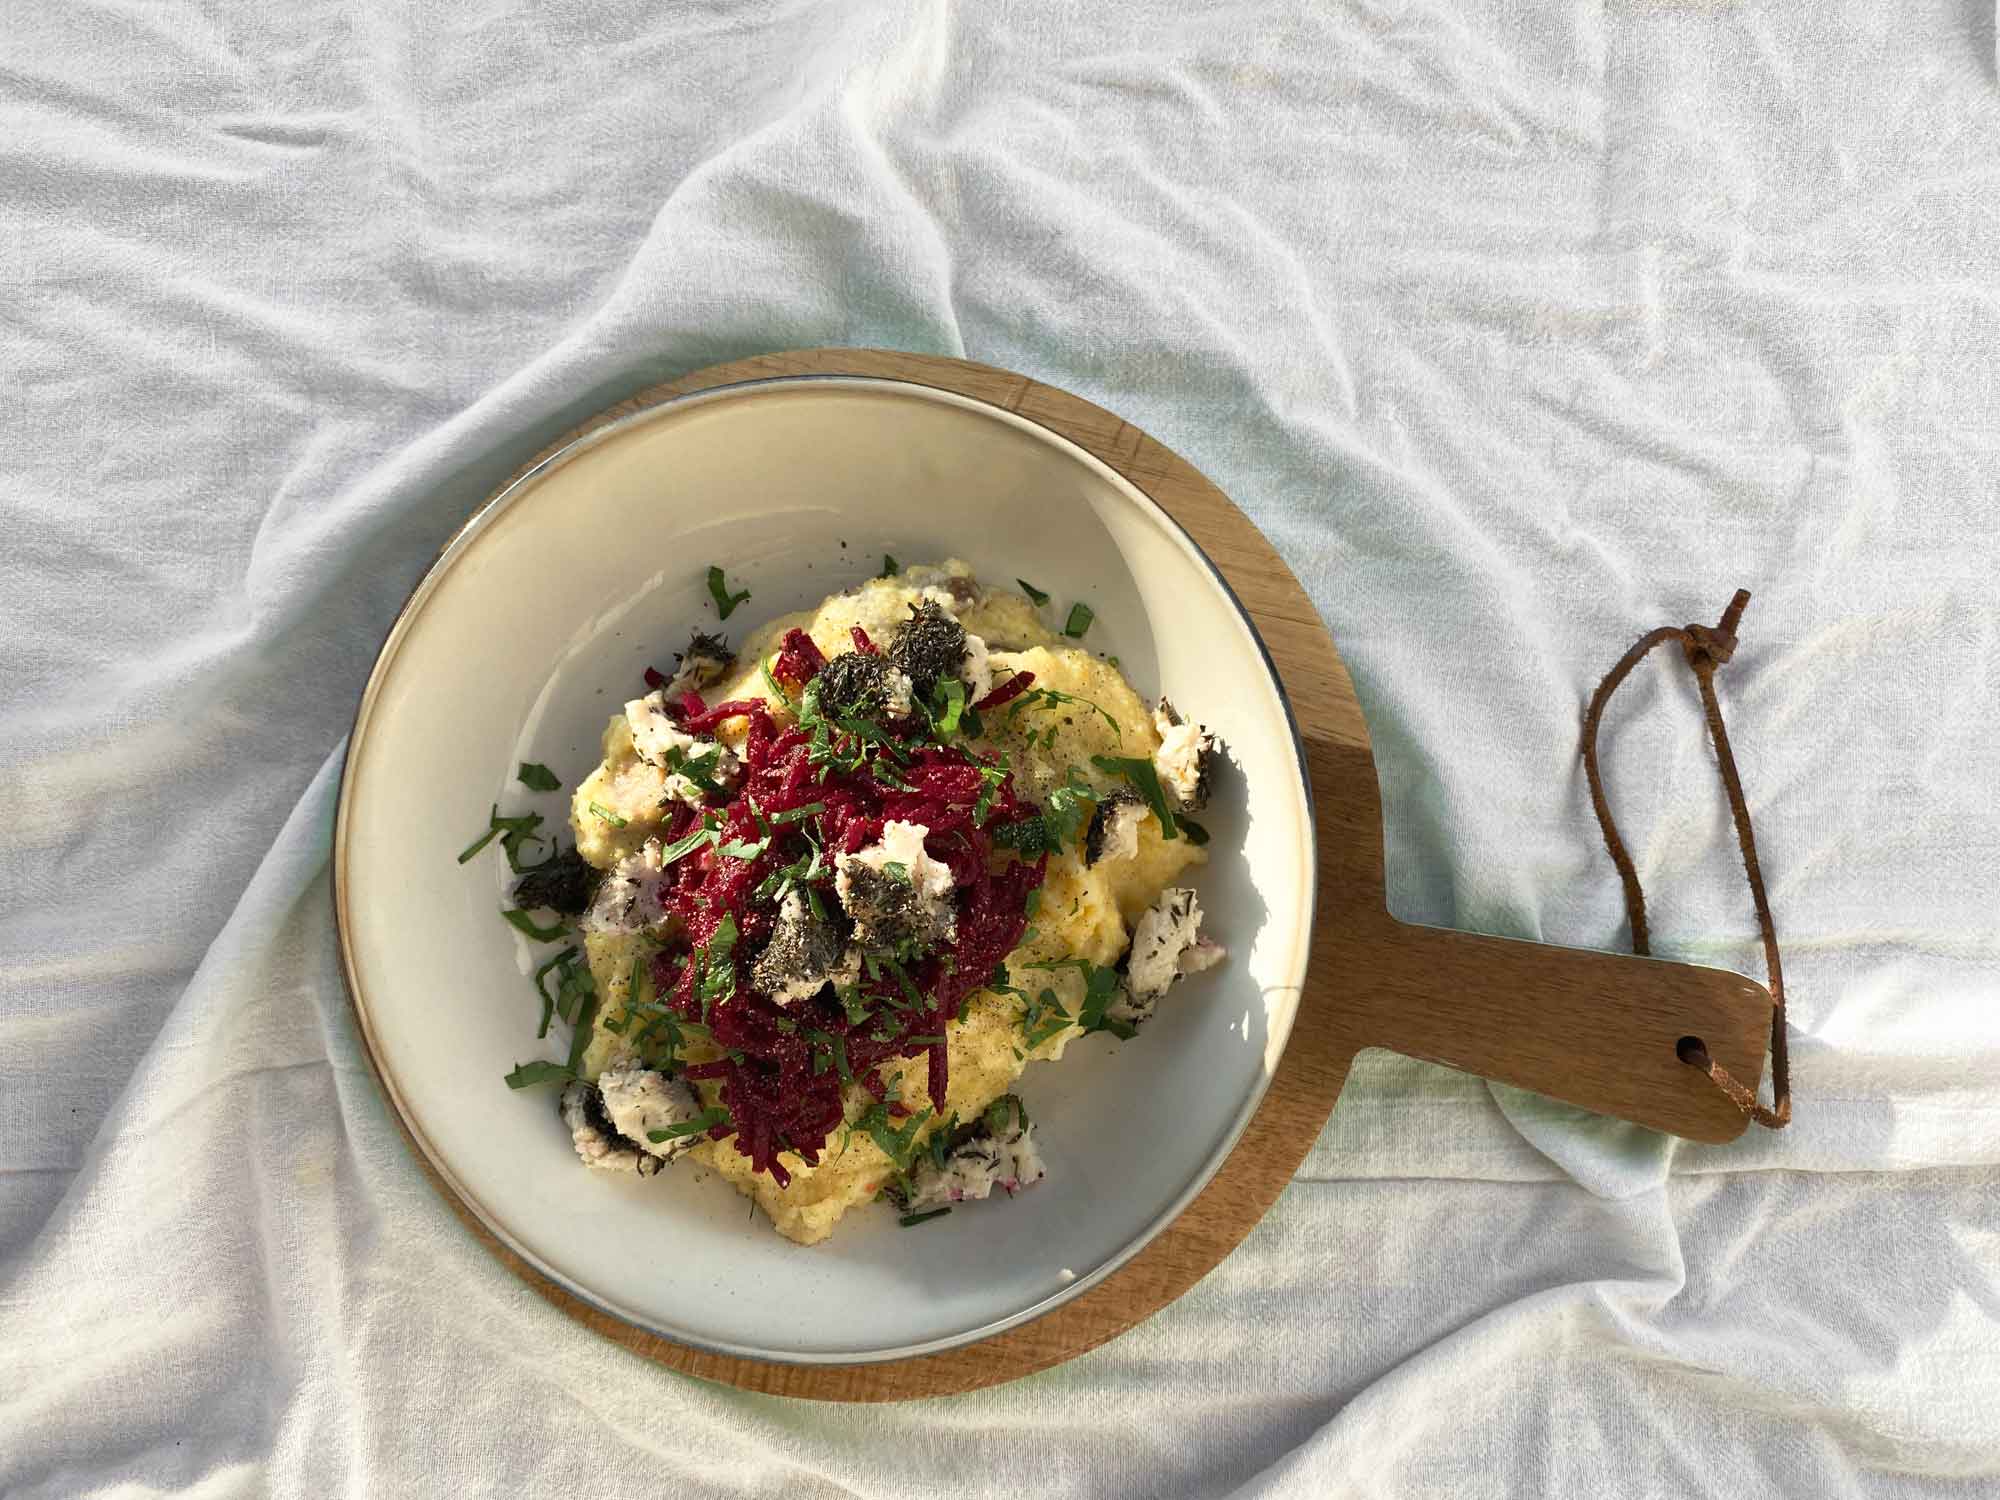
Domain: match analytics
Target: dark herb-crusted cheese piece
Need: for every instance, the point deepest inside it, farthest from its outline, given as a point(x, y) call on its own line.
point(660, 1115)
point(566, 883)
point(859, 684)
point(598, 1141)
point(1166, 944)
point(997, 1151)
point(1114, 828)
point(896, 894)
point(704, 662)
point(929, 648)
point(806, 952)
point(1185, 761)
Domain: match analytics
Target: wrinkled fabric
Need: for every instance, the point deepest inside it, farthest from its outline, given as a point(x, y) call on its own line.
point(1519, 329)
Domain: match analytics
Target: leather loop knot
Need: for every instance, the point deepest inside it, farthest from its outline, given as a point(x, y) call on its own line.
point(1706, 648)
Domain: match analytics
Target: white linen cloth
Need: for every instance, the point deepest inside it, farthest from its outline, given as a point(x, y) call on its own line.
point(1519, 328)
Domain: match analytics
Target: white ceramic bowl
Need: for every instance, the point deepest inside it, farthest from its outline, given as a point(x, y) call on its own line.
point(539, 619)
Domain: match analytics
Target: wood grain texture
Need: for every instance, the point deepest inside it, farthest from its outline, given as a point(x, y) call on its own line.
point(1595, 1029)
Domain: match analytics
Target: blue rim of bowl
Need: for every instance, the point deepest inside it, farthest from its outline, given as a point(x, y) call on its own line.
point(449, 553)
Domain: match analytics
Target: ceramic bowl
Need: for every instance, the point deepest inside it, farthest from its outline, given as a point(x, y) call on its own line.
point(538, 620)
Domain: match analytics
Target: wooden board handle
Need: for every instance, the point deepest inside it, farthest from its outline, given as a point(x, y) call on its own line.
point(1595, 1029)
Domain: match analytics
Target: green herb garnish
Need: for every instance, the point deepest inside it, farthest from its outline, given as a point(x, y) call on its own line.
point(895, 869)
point(527, 925)
point(1066, 810)
point(999, 1111)
point(599, 810)
point(896, 1144)
point(718, 590)
point(1100, 988)
point(560, 963)
point(1038, 698)
point(950, 709)
point(701, 1124)
point(528, 1074)
point(1032, 592)
point(718, 971)
point(890, 567)
point(777, 688)
point(580, 1038)
point(793, 814)
point(512, 833)
point(1080, 616)
point(910, 1221)
point(1142, 775)
point(537, 778)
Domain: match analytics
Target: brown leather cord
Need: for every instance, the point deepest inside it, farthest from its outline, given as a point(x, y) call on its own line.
point(1705, 650)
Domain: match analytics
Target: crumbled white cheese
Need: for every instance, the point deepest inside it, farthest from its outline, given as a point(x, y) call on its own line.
point(1114, 829)
point(902, 694)
point(888, 906)
point(1166, 943)
point(628, 897)
point(1186, 753)
point(596, 1139)
point(656, 738)
point(1007, 1160)
point(976, 672)
point(704, 662)
point(641, 1100)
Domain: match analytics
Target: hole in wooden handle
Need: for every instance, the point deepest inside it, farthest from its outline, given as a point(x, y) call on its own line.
point(1693, 1051)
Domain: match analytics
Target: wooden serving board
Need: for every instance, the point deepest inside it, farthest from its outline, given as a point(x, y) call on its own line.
point(1596, 1029)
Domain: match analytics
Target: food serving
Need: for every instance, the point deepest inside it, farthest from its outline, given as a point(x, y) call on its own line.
point(830, 894)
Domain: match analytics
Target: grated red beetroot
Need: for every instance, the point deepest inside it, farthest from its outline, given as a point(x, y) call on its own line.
point(799, 660)
point(776, 1099)
point(1009, 690)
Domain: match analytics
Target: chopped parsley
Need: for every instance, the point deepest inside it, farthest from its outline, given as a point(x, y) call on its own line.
point(1066, 810)
point(1100, 988)
point(529, 927)
point(899, 1145)
point(890, 567)
point(1080, 616)
point(528, 1074)
point(598, 809)
point(1032, 592)
point(777, 688)
point(512, 833)
point(718, 590)
point(537, 778)
point(718, 970)
point(949, 706)
point(911, 1221)
point(1049, 698)
point(699, 769)
point(561, 965)
point(793, 814)
point(1142, 776)
point(701, 1124)
point(586, 1012)
point(1002, 1109)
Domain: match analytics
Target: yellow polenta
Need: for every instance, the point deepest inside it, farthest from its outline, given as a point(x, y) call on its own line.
point(1085, 912)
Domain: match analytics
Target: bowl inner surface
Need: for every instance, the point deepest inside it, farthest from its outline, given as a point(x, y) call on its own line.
point(536, 625)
